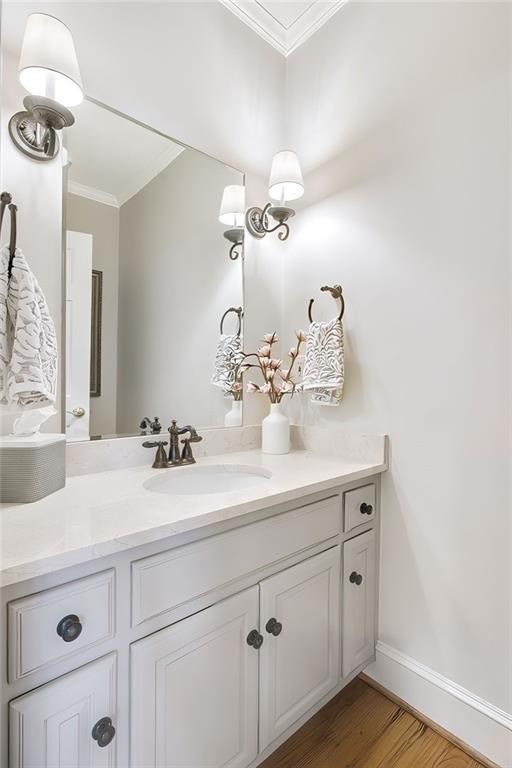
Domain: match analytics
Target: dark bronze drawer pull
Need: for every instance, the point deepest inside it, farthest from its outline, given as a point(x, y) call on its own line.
point(366, 509)
point(254, 639)
point(356, 578)
point(274, 627)
point(69, 628)
point(103, 732)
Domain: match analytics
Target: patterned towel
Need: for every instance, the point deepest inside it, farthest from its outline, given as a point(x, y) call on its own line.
point(28, 344)
point(228, 357)
point(324, 370)
point(4, 325)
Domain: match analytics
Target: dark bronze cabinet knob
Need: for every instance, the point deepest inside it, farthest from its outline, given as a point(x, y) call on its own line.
point(69, 628)
point(366, 509)
point(274, 627)
point(254, 639)
point(103, 732)
point(356, 578)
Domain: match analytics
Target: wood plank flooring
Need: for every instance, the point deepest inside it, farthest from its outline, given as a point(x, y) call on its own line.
point(361, 728)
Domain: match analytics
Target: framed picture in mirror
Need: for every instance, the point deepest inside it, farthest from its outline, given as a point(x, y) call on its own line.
point(96, 309)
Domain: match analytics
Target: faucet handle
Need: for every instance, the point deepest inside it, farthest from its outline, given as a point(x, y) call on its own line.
point(161, 460)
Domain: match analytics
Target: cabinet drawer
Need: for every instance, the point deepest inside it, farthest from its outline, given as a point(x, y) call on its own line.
point(359, 601)
point(52, 625)
point(166, 580)
point(358, 506)
point(54, 726)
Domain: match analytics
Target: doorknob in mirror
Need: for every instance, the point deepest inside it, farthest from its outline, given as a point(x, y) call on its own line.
point(77, 412)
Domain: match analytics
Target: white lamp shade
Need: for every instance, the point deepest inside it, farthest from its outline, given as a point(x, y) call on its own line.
point(48, 63)
point(232, 208)
point(285, 181)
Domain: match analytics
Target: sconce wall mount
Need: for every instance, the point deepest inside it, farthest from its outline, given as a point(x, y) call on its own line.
point(258, 223)
point(285, 183)
point(34, 131)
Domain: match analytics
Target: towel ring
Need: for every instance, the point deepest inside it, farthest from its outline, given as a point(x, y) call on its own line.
point(6, 201)
point(238, 311)
point(336, 292)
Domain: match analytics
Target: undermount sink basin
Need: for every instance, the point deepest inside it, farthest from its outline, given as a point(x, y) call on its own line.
point(216, 478)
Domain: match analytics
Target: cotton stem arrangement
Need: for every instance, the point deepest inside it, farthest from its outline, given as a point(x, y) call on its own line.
point(277, 380)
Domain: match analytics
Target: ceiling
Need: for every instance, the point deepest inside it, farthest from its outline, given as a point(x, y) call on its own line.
point(285, 25)
point(98, 147)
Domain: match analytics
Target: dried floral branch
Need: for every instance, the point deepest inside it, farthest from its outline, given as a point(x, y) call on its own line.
point(271, 368)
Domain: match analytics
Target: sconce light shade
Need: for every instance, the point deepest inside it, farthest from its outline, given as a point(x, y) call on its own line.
point(285, 181)
point(232, 208)
point(48, 63)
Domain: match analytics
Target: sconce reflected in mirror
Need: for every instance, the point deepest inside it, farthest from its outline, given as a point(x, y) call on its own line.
point(285, 183)
point(232, 214)
point(49, 71)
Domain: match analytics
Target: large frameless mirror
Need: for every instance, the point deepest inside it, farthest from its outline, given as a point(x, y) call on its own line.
point(154, 280)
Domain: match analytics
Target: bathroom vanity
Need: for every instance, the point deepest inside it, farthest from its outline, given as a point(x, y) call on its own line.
point(185, 630)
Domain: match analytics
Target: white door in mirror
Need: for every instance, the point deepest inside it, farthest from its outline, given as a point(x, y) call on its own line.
point(78, 333)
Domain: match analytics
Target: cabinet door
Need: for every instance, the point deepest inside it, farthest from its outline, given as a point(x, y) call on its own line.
point(359, 593)
point(299, 658)
point(53, 726)
point(194, 698)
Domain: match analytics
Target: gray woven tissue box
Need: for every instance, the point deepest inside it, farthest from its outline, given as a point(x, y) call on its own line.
point(31, 467)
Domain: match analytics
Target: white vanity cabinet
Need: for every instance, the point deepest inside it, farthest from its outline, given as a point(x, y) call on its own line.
point(300, 655)
point(67, 723)
point(204, 650)
point(195, 690)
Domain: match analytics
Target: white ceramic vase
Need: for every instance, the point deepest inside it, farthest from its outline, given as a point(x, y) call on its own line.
point(275, 431)
point(233, 418)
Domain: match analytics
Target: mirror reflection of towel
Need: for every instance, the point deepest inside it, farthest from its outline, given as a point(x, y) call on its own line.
point(28, 343)
point(324, 368)
point(228, 357)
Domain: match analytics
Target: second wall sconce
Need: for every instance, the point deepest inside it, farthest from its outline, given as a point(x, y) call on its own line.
point(232, 214)
point(285, 183)
point(49, 71)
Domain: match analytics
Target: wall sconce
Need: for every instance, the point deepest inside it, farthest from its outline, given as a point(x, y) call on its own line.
point(285, 183)
point(232, 213)
point(49, 71)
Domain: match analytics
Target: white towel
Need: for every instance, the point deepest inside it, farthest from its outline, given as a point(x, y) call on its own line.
point(28, 343)
point(228, 357)
point(324, 369)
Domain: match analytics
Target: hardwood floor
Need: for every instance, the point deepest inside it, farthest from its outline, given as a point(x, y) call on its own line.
point(361, 728)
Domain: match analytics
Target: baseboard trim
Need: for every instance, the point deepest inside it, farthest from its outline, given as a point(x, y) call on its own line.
point(477, 725)
point(428, 722)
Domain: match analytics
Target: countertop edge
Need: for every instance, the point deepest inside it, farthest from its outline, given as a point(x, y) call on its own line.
point(231, 514)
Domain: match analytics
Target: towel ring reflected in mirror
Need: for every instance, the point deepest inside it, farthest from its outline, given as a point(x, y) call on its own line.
point(336, 292)
point(239, 312)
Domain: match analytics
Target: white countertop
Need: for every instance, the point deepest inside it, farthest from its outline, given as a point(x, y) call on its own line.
point(107, 512)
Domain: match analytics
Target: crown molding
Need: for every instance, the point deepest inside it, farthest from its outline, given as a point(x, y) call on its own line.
point(74, 188)
point(283, 39)
point(156, 166)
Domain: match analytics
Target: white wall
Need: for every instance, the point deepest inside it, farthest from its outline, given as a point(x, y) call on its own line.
point(37, 191)
point(102, 222)
point(401, 114)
